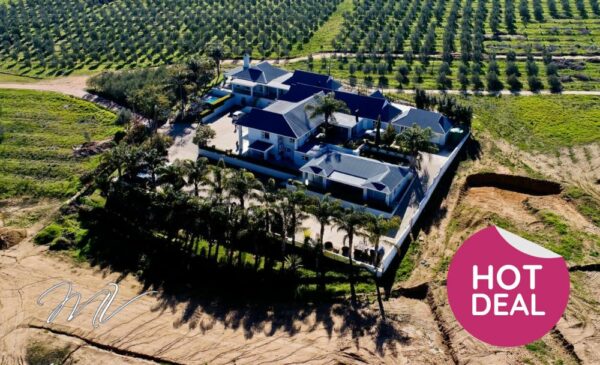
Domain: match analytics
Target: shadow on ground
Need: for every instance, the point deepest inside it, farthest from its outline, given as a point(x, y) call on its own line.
point(238, 297)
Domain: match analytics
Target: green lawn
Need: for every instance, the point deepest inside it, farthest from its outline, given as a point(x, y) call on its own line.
point(541, 123)
point(39, 131)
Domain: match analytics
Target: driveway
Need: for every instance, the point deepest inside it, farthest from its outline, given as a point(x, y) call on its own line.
point(183, 147)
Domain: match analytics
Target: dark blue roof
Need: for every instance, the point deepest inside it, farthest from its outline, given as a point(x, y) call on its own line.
point(367, 106)
point(299, 92)
point(425, 119)
point(262, 73)
point(378, 94)
point(311, 78)
point(260, 145)
point(266, 121)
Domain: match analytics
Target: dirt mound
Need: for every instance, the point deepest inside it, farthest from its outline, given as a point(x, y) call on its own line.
point(10, 237)
point(92, 148)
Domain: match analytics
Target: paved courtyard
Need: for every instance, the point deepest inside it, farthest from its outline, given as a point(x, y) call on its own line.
point(226, 135)
point(184, 148)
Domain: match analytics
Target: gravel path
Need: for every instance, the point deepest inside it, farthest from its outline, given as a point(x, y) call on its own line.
point(76, 86)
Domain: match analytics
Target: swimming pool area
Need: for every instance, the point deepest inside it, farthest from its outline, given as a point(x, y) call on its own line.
point(211, 99)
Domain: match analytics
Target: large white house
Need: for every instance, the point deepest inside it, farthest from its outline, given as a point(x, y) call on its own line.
point(283, 133)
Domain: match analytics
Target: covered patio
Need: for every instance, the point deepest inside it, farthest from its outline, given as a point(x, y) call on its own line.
point(260, 149)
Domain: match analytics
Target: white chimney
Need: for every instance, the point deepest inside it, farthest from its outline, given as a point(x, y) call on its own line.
point(246, 61)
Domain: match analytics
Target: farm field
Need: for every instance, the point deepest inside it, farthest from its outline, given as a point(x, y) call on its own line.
point(455, 30)
point(433, 26)
point(39, 131)
point(49, 37)
point(381, 72)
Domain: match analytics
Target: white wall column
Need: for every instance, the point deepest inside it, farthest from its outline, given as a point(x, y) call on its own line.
point(240, 140)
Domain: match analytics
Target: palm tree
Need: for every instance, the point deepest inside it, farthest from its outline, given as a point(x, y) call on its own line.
point(236, 221)
point(173, 175)
point(196, 172)
point(200, 73)
point(218, 224)
point(326, 106)
point(293, 203)
point(255, 232)
point(242, 184)
point(154, 160)
point(376, 227)
point(133, 162)
point(269, 200)
point(349, 221)
point(216, 52)
point(296, 200)
point(415, 139)
point(283, 213)
point(217, 181)
point(178, 80)
point(323, 210)
point(293, 263)
point(115, 158)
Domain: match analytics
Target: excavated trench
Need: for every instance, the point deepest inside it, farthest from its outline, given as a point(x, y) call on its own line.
point(424, 293)
point(104, 347)
point(519, 184)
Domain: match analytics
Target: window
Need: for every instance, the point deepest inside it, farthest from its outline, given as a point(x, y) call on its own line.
point(292, 140)
point(266, 135)
point(305, 158)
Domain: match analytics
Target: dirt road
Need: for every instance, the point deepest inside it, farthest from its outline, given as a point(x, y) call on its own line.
point(321, 55)
point(75, 86)
point(70, 85)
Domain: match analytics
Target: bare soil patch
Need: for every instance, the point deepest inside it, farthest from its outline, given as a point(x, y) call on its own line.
point(10, 237)
point(187, 331)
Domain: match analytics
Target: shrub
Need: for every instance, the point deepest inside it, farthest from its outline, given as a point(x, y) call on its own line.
point(535, 84)
point(38, 353)
point(48, 234)
point(555, 84)
point(61, 243)
point(513, 83)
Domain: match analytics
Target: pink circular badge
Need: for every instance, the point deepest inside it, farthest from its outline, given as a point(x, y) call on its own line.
point(505, 290)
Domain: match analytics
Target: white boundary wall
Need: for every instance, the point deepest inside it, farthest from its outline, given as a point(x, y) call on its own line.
point(232, 161)
point(387, 260)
